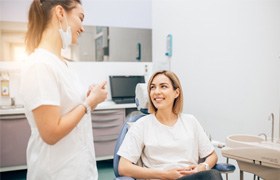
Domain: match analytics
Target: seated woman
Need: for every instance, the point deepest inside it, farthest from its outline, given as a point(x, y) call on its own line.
point(168, 142)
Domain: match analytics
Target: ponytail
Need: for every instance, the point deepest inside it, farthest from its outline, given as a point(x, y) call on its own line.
point(36, 26)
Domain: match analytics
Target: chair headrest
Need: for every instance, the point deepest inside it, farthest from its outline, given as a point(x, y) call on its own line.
point(141, 97)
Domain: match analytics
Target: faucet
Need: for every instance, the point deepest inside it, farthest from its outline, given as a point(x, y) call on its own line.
point(272, 128)
point(13, 101)
point(263, 134)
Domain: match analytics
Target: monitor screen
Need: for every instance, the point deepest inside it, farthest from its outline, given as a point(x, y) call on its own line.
point(124, 86)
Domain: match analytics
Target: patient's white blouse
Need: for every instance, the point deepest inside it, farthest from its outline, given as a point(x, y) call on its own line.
point(164, 147)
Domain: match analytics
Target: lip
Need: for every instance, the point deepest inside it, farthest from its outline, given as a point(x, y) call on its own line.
point(158, 100)
point(159, 97)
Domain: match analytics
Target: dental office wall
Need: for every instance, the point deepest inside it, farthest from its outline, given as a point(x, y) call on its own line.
point(227, 55)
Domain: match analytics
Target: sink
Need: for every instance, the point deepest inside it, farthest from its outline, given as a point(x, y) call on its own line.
point(5, 107)
point(242, 140)
point(254, 154)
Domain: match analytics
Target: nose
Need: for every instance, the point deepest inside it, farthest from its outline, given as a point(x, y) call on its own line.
point(82, 29)
point(157, 90)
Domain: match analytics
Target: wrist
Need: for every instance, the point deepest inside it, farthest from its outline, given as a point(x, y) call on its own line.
point(206, 165)
point(87, 107)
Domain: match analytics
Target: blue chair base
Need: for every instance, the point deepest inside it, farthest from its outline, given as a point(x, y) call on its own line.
point(224, 167)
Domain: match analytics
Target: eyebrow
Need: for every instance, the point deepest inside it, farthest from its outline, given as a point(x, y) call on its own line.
point(160, 84)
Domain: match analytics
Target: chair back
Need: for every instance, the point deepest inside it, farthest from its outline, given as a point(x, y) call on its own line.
point(141, 97)
point(141, 100)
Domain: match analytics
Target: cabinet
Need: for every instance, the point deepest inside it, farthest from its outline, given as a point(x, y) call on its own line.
point(14, 133)
point(106, 126)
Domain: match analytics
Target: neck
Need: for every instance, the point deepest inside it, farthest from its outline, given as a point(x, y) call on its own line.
point(51, 41)
point(167, 118)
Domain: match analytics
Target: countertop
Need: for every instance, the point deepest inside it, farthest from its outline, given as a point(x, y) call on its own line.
point(12, 111)
point(103, 106)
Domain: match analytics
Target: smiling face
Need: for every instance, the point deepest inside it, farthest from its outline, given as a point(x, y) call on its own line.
point(162, 93)
point(75, 19)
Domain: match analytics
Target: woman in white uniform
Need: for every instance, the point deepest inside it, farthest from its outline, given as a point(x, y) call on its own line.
point(58, 110)
point(168, 142)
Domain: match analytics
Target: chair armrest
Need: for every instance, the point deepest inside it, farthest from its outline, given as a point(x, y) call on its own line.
point(224, 167)
point(124, 178)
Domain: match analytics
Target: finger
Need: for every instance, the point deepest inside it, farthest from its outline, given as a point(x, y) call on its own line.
point(186, 172)
point(103, 84)
point(192, 166)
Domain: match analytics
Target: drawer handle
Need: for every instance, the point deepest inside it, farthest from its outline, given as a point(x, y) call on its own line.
point(106, 138)
point(105, 120)
point(105, 112)
point(13, 117)
point(105, 126)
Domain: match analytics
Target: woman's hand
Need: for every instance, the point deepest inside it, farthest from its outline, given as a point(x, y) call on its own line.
point(96, 94)
point(189, 170)
point(174, 173)
point(179, 172)
point(200, 167)
point(90, 88)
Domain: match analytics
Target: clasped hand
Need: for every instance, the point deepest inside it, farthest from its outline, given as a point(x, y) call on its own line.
point(177, 173)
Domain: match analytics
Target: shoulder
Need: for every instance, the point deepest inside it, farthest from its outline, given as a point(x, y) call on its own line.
point(40, 62)
point(142, 122)
point(189, 119)
point(37, 60)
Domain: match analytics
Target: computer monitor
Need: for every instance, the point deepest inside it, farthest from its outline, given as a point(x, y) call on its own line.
point(123, 88)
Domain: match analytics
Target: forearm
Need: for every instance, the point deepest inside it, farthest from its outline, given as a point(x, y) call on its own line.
point(52, 126)
point(126, 168)
point(69, 121)
point(212, 159)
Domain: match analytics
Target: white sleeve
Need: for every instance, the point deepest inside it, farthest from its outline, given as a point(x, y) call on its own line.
point(39, 86)
point(205, 147)
point(132, 146)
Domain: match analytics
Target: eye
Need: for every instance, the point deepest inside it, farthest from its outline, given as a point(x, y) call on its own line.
point(164, 86)
point(81, 16)
point(152, 87)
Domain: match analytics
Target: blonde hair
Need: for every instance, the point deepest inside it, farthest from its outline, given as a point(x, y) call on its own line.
point(178, 102)
point(39, 17)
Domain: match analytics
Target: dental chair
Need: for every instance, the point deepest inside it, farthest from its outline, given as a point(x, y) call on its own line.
point(141, 100)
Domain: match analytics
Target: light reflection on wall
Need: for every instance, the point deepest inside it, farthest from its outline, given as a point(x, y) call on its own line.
point(18, 52)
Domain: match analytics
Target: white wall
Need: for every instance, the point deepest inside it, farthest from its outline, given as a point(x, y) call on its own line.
point(118, 13)
point(96, 72)
point(226, 54)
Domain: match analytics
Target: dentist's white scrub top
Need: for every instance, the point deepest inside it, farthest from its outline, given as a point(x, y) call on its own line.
point(46, 80)
point(163, 147)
